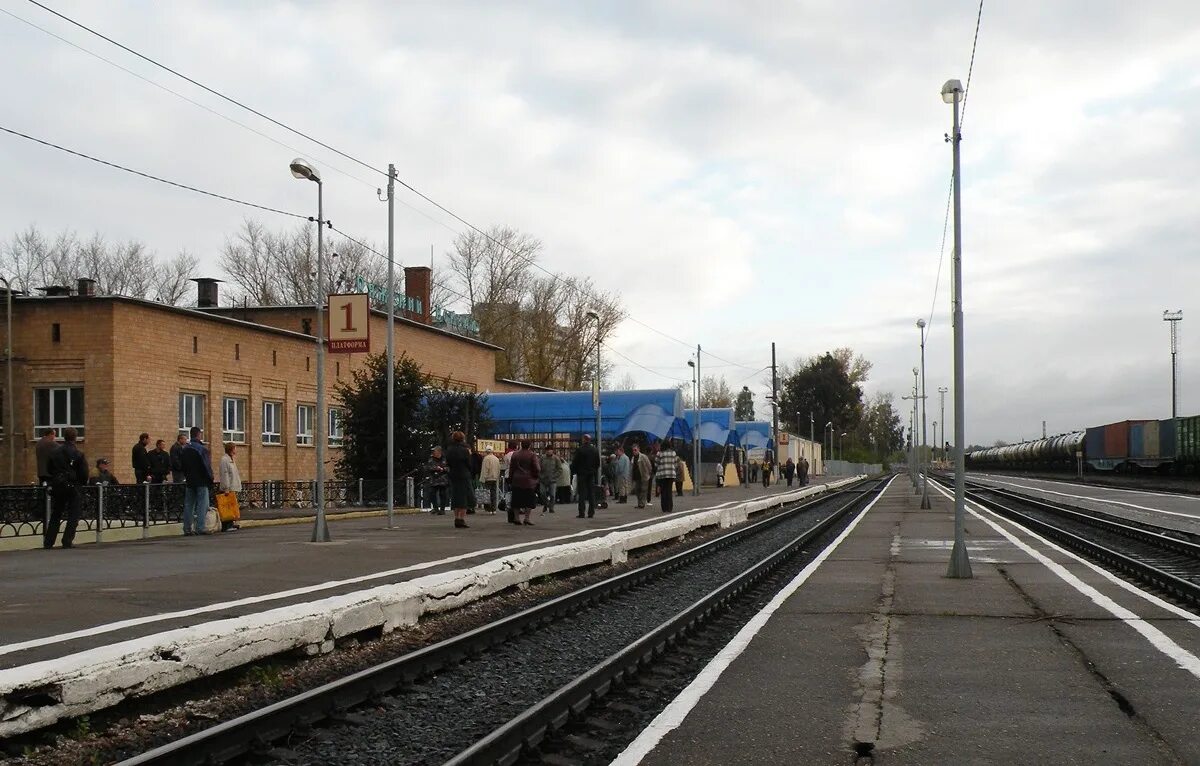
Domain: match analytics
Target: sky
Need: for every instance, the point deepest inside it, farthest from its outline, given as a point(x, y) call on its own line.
point(741, 173)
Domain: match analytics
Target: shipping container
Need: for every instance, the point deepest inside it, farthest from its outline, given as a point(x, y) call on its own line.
point(1136, 440)
point(1150, 439)
point(1187, 439)
point(1093, 443)
point(1116, 440)
point(1166, 439)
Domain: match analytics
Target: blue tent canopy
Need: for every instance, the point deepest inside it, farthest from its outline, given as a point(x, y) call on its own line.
point(754, 434)
point(654, 411)
point(716, 425)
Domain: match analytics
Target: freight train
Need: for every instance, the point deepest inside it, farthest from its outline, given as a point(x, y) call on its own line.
point(1169, 446)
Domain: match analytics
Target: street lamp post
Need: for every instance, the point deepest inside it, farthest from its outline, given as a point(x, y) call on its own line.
point(842, 445)
point(301, 169)
point(960, 562)
point(812, 443)
point(924, 430)
point(696, 425)
point(596, 386)
point(9, 394)
point(942, 390)
point(829, 428)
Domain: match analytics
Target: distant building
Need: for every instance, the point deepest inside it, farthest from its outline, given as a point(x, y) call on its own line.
point(114, 367)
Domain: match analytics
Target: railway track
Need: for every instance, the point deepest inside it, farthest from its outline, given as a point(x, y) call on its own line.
point(1164, 558)
point(496, 694)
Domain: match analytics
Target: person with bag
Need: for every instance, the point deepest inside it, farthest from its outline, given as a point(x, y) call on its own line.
point(231, 484)
point(642, 476)
point(198, 479)
point(664, 474)
point(439, 482)
point(549, 476)
point(68, 471)
point(524, 475)
point(586, 467)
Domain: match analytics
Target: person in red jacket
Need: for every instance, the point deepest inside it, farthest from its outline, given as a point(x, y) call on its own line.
point(523, 475)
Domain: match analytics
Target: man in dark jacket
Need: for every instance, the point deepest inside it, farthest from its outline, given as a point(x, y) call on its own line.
point(68, 472)
point(197, 472)
point(586, 466)
point(177, 448)
point(524, 474)
point(103, 474)
point(141, 459)
point(458, 471)
point(160, 462)
point(44, 450)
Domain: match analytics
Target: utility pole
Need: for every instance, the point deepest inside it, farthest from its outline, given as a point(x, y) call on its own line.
point(391, 351)
point(774, 405)
point(1043, 429)
point(696, 432)
point(1174, 318)
point(942, 391)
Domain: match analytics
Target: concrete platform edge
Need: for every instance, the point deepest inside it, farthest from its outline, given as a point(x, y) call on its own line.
point(95, 679)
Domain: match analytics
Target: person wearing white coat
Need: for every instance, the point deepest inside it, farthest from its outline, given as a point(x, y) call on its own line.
point(230, 478)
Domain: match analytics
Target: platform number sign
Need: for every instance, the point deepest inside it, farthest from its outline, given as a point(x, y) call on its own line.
point(349, 323)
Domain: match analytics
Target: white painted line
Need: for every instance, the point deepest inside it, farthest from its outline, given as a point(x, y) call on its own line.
point(1159, 640)
point(1096, 487)
point(1146, 508)
point(249, 600)
point(675, 712)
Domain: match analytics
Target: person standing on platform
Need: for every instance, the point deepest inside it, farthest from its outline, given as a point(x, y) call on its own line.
point(766, 470)
point(160, 462)
point(802, 469)
point(197, 473)
point(489, 474)
point(439, 481)
point(754, 470)
point(68, 471)
point(231, 479)
point(506, 481)
point(608, 483)
point(548, 477)
point(623, 467)
point(642, 476)
point(668, 465)
point(586, 466)
point(476, 469)
point(44, 450)
point(141, 459)
point(524, 476)
point(103, 474)
point(177, 475)
point(789, 471)
point(679, 475)
point(458, 470)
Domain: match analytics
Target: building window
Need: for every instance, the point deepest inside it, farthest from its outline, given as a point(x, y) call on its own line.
point(233, 423)
point(195, 344)
point(272, 423)
point(191, 412)
point(336, 435)
point(237, 351)
point(56, 332)
point(58, 408)
point(274, 358)
point(306, 415)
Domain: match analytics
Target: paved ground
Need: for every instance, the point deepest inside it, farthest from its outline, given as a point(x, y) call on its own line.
point(1175, 511)
point(1017, 665)
point(120, 590)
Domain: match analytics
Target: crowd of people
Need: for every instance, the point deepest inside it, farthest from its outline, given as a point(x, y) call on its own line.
point(62, 468)
point(523, 479)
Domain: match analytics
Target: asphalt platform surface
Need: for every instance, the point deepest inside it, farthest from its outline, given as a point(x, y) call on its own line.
point(1034, 660)
point(171, 582)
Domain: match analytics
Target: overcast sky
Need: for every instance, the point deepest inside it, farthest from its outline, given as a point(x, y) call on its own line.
point(770, 171)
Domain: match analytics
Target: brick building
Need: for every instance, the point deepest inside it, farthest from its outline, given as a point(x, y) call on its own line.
point(114, 367)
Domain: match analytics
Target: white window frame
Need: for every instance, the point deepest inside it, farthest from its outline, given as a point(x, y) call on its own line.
point(272, 424)
point(233, 429)
point(191, 411)
point(306, 419)
point(337, 416)
point(60, 421)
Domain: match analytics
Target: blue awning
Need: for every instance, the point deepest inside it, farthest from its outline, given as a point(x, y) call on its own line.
point(755, 434)
point(652, 411)
point(716, 425)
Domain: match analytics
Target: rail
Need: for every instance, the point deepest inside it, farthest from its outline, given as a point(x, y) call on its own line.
point(234, 738)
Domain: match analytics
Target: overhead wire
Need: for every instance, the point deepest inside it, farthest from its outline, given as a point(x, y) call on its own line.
point(152, 177)
point(950, 194)
point(636, 363)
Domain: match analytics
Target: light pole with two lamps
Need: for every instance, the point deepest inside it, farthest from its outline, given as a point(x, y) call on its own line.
point(924, 432)
point(301, 169)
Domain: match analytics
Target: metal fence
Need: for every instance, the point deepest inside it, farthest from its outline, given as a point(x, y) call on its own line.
point(844, 468)
point(24, 509)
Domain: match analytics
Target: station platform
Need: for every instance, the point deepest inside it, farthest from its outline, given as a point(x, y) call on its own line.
point(1165, 509)
point(57, 602)
point(873, 655)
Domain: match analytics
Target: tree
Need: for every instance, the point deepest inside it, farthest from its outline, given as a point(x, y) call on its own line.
point(880, 430)
point(744, 409)
point(127, 268)
point(822, 388)
point(445, 410)
point(626, 383)
point(714, 392)
point(540, 322)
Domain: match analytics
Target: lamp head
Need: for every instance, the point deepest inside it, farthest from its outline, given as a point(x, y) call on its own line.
point(952, 91)
point(921, 323)
point(301, 169)
point(691, 364)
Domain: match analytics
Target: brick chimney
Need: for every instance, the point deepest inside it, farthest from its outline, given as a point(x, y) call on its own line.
point(85, 287)
point(417, 281)
point(206, 292)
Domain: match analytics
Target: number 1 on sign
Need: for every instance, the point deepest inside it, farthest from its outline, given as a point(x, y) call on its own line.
point(348, 310)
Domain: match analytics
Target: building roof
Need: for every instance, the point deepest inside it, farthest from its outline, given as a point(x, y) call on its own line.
point(399, 320)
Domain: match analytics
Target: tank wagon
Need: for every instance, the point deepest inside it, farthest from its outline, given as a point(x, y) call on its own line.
point(1127, 446)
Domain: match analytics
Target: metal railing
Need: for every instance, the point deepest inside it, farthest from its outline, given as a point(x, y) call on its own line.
point(24, 509)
